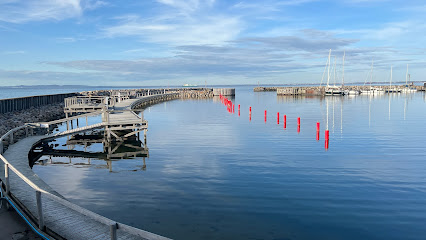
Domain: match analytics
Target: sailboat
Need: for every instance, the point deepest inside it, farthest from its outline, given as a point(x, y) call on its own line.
point(370, 74)
point(372, 90)
point(392, 90)
point(332, 90)
point(407, 89)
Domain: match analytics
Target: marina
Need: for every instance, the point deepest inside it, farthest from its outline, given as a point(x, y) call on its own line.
point(212, 120)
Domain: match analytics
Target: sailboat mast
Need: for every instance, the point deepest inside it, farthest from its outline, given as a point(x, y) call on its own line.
point(390, 83)
point(334, 73)
point(328, 69)
point(406, 77)
point(372, 68)
point(343, 70)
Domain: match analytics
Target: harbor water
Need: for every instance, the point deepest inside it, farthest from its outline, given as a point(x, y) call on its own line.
point(212, 174)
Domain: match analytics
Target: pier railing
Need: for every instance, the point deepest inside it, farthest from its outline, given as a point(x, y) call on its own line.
point(45, 200)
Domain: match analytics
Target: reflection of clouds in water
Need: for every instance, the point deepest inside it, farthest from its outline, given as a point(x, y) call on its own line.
point(215, 138)
point(68, 180)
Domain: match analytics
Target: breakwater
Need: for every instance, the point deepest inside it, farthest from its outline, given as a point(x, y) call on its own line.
point(15, 104)
point(17, 118)
point(265, 89)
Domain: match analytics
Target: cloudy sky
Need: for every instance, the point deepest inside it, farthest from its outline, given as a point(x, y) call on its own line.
point(173, 42)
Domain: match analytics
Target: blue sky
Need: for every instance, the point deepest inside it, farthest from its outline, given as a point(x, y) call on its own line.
point(173, 42)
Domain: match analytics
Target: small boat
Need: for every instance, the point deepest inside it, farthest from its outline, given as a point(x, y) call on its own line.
point(334, 90)
point(354, 92)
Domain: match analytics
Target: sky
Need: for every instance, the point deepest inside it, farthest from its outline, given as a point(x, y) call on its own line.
point(213, 42)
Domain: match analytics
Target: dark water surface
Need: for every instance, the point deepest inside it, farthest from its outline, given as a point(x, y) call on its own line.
point(215, 175)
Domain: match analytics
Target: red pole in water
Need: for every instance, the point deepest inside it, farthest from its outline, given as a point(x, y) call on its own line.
point(318, 135)
point(298, 121)
point(326, 144)
point(238, 107)
point(265, 115)
point(298, 128)
point(327, 136)
point(233, 108)
point(285, 121)
point(250, 110)
point(318, 126)
point(278, 118)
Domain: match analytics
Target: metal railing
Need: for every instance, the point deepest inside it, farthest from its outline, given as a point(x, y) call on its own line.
point(113, 226)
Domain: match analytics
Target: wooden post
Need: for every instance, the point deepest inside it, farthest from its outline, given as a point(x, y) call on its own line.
point(6, 176)
point(113, 231)
point(40, 211)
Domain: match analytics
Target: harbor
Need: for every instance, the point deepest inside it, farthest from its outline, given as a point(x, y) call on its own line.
point(212, 120)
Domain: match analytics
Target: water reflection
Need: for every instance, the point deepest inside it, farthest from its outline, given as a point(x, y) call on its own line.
point(91, 150)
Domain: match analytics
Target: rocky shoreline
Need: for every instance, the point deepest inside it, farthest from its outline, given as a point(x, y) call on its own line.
point(43, 113)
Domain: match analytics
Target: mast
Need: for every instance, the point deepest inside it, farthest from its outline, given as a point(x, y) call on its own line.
point(406, 77)
point(343, 76)
point(372, 68)
point(390, 83)
point(334, 74)
point(328, 74)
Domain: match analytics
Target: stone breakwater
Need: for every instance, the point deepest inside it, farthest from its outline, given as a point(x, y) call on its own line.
point(18, 118)
point(265, 89)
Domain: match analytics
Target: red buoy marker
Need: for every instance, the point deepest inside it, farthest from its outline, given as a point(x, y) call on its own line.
point(278, 118)
point(298, 121)
point(285, 121)
point(265, 115)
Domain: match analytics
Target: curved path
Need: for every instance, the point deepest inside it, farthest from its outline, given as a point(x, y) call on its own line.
point(62, 218)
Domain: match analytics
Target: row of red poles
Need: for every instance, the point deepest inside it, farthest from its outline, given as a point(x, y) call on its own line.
point(231, 109)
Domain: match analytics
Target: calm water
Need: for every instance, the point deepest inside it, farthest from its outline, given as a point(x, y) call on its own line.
point(215, 175)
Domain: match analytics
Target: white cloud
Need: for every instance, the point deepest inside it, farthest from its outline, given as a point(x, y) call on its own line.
point(179, 31)
point(21, 11)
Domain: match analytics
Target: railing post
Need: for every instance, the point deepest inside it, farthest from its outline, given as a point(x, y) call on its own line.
point(113, 231)
point(40, 211)
point(6, 176)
